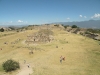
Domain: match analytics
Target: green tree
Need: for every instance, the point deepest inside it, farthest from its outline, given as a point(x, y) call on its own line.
point(65, 26)
point(74, 26)
point(1, 30)
point(93, 30)
point(10, 65)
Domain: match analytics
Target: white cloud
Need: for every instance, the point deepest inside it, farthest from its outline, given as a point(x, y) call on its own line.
point(85, 17)
point(96, 16)
point(68, 18)
point(20, 21)
point(80, 15)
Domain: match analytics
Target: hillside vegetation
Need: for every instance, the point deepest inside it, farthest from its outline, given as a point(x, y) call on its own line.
point(82, 54)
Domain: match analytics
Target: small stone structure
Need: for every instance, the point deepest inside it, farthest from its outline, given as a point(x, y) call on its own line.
point(44, 35)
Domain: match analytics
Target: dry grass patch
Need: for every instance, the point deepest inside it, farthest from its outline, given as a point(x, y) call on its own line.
point(81, 54)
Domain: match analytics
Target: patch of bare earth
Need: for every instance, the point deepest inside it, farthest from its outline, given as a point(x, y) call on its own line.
point(25, 70)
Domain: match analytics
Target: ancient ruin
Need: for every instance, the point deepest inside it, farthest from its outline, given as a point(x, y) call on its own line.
point(42, 36)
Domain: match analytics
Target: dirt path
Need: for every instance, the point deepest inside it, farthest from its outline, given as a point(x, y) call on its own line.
point(25, 70)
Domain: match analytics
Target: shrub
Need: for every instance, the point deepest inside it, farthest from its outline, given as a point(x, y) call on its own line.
point(2, 30)
point(74, 26)
point(10, 65)
point(56, 25)
point(94, 30)
point(66, 26)
point(17, 30)
point(87, 32)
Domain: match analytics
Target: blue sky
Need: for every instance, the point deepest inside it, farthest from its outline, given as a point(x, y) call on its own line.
point(19, 12)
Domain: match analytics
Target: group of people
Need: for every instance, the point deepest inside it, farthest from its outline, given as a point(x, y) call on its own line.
point(62, 59)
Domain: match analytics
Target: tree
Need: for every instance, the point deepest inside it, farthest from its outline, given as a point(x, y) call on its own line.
point(57, 25)
point(93, 30)
point(12, 28)
point(2, 30)
point(10, 65)
point(74, 26)
point(65, 26)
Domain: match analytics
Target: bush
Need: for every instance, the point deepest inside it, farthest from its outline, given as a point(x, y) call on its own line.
point(10, 65)
point(56, 25)
point(66, 26)
point(94, 30)
point(74, 26)
point(2, 30)
point(87, 32)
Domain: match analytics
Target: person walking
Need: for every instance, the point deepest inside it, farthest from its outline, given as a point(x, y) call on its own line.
point(61, 59)
point(24, 61)
point(28, 65)
point(64, 58)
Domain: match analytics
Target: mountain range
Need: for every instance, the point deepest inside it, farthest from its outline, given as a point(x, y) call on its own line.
point(83, 24)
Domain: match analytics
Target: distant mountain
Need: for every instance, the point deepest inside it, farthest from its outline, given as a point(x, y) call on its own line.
point(12, 25)
point(83, 24)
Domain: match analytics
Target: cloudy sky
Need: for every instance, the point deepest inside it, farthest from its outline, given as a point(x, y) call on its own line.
point(20, 12)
